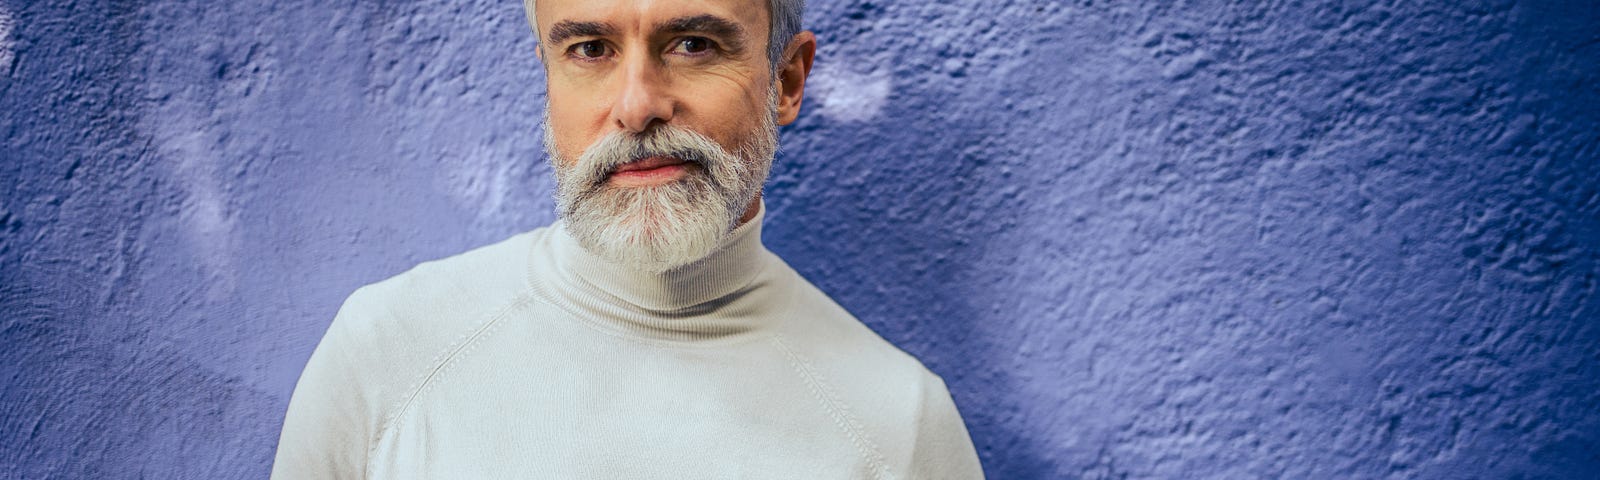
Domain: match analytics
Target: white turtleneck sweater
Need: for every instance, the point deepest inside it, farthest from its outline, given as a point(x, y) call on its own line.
point(532, 358)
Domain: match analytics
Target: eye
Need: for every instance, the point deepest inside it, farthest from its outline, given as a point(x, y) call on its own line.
point(693, 45)
point(590, 50)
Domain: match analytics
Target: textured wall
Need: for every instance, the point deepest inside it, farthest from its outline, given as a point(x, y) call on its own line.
point(1153, 239)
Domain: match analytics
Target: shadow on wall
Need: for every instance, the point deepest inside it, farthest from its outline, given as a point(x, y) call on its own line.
point(893, 218)
point(1163, 240)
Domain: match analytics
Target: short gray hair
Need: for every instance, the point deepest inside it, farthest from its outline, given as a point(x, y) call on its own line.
point(785, 23)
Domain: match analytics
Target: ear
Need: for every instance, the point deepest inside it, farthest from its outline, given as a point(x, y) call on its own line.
point(792, 73)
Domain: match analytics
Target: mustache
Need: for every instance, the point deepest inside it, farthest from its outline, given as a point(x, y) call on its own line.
point(616, 149)
point(721, 173)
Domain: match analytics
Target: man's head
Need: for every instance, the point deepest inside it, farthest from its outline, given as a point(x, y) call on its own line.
point(662, 117)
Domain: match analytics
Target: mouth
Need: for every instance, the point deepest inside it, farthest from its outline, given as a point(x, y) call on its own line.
point(648, 171)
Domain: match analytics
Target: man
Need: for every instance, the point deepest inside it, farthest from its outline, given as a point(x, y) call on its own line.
point(647, 334)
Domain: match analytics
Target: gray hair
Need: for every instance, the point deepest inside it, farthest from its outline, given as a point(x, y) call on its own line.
point(785, 23)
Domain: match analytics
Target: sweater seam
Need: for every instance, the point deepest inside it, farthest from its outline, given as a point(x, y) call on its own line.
point(447, 357)
point(837, 409)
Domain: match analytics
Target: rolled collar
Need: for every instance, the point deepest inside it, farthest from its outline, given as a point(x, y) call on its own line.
point(709, 297)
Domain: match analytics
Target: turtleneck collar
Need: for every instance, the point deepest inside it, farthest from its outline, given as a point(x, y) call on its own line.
point(709, 297)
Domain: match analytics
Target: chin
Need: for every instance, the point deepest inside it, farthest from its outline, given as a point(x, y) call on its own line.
point(653, 228)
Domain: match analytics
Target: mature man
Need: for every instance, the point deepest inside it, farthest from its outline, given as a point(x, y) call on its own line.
point(648, 334)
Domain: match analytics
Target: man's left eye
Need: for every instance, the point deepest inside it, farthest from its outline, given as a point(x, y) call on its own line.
point(693, 45)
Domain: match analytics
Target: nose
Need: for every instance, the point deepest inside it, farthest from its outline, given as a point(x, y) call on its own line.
point(644, 98)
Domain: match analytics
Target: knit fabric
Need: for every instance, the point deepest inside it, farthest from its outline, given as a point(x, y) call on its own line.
point(532, 358)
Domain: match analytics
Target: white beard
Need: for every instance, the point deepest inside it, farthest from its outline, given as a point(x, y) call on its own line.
point(661, 227)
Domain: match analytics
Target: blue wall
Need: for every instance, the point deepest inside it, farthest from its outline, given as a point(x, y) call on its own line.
point(1139, 239)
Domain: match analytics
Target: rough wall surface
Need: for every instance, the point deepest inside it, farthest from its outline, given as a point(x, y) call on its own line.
point(1148, 239)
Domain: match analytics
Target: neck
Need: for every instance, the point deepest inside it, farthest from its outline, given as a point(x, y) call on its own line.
point(732, 266)
point(751, 211)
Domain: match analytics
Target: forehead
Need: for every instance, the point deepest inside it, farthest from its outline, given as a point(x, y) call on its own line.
point(643, 16)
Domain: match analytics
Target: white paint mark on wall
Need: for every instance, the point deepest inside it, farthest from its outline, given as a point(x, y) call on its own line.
point(193, 158)
point(848, 96)
point(8, 23)
point(480, 180)
point(193, 125)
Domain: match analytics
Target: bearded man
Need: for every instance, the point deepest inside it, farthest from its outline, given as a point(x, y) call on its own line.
point(648, 333)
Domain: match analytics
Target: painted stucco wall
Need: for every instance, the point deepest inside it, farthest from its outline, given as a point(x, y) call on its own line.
point(1148, 239)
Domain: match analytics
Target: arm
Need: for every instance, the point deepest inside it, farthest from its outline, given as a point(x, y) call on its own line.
point(332, 416)
point(944, 449)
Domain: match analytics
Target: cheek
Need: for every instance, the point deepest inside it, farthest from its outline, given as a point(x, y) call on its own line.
point(560, 142)
point(729, 116)
point(570, 128)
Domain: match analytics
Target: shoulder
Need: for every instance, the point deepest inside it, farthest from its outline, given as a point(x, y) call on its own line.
point(433, 293)
point(497, 269)
point(883, 394)
point(383, 343)
point(822, 323)
point(874, 375)
point(397, 326)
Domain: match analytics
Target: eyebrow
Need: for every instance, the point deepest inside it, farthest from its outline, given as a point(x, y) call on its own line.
point(731, 32)
point(566, 29)
point(705, 23)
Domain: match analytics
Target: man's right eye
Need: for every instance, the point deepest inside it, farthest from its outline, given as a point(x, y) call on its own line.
point(590, 50)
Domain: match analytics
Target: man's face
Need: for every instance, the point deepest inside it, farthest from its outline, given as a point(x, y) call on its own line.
point(661, 121)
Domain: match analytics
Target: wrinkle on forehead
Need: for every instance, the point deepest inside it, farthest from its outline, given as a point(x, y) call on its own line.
point(645, 15)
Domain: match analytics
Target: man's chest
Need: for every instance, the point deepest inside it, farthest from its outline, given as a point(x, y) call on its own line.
point(589, 414)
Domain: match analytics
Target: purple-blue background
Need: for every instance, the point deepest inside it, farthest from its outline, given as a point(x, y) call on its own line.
point(1155, 239)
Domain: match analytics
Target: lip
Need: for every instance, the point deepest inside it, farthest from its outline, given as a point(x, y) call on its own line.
point(657, 170)
point(649, 163)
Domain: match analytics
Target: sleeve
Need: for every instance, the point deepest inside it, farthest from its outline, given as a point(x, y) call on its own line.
point(943, 448)
point(332, 416)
